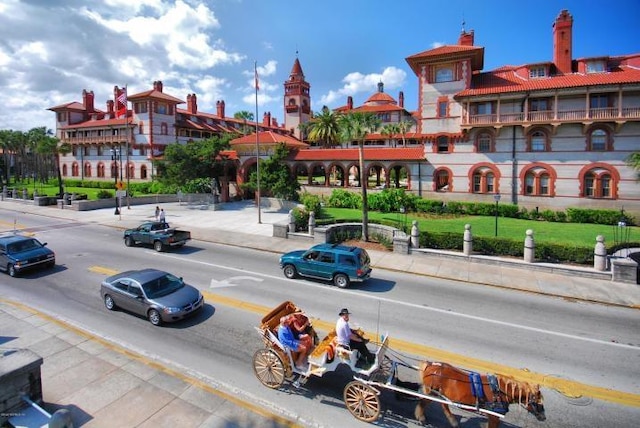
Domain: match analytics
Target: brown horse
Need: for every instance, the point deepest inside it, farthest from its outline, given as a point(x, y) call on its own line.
point(454, 384)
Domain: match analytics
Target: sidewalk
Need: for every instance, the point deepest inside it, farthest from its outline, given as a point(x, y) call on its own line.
point(102, 384)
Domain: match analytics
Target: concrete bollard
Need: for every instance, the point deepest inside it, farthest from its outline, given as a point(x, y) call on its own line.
point(415, 234)
point(292, 222)
point(600, 254)
point(312, 222)
point(529, 247)
point(467, 244)
point(25, 194)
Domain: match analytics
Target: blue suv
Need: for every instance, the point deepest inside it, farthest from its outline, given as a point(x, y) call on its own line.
point(333, 262)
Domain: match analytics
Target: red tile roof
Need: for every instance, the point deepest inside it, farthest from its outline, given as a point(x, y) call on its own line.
point(98, 123)
point(268, 138)
point(370, 154)
point(447, 52)
point(515, 79)
point(74, 105)
point(155, 94)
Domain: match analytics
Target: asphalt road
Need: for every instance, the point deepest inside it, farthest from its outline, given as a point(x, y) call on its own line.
point(578, 342)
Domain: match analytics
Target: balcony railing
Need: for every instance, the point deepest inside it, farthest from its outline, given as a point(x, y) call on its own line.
point(547, 116)
point(102, 139)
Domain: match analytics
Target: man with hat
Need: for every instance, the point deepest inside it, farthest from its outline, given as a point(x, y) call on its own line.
point(350, 339)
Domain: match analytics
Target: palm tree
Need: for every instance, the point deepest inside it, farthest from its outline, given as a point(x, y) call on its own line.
point(634, 162)
point(356, 126)
point(404, 127)
point(324, 127)
point(246, 116)
point(389, 131)
point(48, 150)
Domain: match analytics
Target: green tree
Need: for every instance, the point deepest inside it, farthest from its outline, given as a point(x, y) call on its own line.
point(47, 149)
point(404, 127)
point(275, 177)
point(195, 160)
point(390, 131)
point(245, 116)
point(324, 127)
point(634, 162)
point(356, 126)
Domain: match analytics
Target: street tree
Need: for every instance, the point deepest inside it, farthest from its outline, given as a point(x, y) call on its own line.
point(276, 178)
point(355, 127)
point(245, 116)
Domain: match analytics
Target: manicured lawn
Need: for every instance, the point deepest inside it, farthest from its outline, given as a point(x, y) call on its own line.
point(548, 232)
point(52, 189)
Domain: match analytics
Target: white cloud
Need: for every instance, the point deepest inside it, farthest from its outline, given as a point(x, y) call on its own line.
point(356, 83)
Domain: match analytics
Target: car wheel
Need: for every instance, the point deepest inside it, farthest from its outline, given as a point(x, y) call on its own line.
point(157, 246)
point(109, 303)
point(154, 317)
point(341, 280)
point(11, 270)
point(290, 271)
point(128, 241)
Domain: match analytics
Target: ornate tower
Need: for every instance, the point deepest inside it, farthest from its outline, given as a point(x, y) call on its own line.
point(562, 41)
point(297, 101)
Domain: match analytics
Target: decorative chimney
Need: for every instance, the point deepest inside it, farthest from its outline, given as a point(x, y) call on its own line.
point(349, 102)
point(466, 39)
point(87, 101)
point(157, 85)
point(220, 109)
point(401, 99)
point(562, 42)
point(192, 103)
point(266, 119)
point(110, 111)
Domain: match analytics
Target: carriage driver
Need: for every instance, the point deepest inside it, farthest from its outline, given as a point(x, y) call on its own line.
point(350, 339)
point(287, 338)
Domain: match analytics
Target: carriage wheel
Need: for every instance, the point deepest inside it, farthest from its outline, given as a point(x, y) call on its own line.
point(362, 401)
point(381, 374)
point(268, 368)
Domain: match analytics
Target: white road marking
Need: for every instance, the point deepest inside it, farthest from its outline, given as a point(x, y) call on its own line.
point(421, 307)
point(229, 281)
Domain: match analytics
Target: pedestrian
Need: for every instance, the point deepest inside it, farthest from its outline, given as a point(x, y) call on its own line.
point(351, 339)
point(157, 216)
point(161, 216)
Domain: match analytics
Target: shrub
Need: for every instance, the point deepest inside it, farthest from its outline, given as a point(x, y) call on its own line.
point(313, 203)
point(105, 194)
point(344, 199)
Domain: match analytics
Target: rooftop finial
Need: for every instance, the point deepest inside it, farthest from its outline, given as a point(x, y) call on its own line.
point(463, 30)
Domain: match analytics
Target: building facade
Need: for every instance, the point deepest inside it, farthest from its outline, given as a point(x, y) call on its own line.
point(548, 135)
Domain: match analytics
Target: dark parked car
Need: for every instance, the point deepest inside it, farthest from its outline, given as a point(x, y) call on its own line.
point(155, 294)
point(156, 233)
point(341, 264)
point(19, 253)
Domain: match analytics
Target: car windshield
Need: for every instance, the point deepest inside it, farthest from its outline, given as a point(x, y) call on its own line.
point(162, 286)
point(20, 246)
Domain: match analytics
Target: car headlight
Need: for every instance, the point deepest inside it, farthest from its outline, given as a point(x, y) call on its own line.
point(171, 310)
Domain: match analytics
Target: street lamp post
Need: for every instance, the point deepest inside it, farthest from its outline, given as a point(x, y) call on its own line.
point(496, 198)
point(114, 158)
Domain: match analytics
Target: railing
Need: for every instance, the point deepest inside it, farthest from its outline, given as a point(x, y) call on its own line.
point(609, 113)
point(102, 139)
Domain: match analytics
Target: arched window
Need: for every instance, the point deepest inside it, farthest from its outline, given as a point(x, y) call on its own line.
point(100, 169)
point(598, 140)
point(537, 142)
point(442, 179)
point(143, 172)
point(599, 181)
point(87, 169)
point(64, 170)
point(141, 127)
point(483, 180)
point(75, 170)
point(538, 180)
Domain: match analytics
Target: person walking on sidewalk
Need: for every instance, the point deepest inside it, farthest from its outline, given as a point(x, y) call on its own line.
point(161, 216)
point(157, 216)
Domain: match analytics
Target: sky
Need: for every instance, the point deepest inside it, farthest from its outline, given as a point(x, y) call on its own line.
point(51, 50)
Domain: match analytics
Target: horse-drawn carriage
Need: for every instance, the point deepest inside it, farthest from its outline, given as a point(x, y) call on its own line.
point(489, 395)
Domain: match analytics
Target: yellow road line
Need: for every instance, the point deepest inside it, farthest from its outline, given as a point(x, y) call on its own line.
point(277, 419)
point(566, 387)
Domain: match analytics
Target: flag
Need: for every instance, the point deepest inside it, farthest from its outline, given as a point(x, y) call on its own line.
point(255, 69)
point(121, 108)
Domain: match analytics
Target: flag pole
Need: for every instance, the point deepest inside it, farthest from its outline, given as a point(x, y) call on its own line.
point(127, 134)
point(255, 71)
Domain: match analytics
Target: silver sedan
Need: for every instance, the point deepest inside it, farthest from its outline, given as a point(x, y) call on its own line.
point(155, 294)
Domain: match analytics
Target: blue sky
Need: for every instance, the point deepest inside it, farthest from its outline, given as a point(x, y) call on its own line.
point(50, 50)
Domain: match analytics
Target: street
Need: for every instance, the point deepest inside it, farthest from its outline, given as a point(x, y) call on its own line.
point(571, 342)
